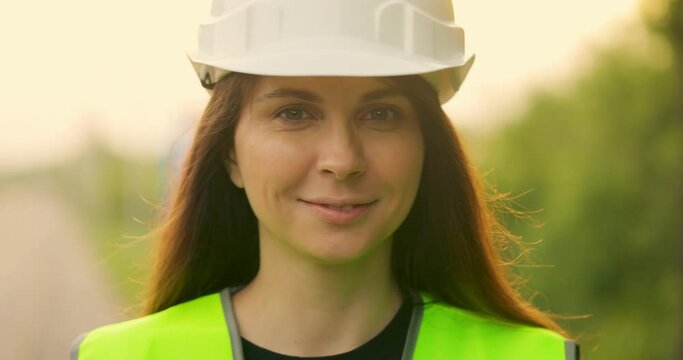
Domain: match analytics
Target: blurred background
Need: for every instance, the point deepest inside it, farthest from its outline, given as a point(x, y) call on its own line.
point(573, 108)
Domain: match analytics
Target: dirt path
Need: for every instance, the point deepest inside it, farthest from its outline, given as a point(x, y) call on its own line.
point(51, 288)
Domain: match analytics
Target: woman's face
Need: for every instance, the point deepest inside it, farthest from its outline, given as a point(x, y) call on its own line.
point(330, 165)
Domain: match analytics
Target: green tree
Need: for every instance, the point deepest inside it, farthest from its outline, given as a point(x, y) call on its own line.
point(603, 159)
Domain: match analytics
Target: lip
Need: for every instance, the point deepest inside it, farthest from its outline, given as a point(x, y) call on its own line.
point(335, 216)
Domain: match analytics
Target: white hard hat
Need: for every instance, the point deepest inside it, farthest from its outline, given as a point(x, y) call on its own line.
point(335, 38)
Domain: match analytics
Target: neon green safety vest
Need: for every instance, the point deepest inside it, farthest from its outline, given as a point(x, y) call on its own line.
point(205, 328)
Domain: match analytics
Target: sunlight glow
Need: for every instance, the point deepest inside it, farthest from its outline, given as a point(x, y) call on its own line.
point(120, 69)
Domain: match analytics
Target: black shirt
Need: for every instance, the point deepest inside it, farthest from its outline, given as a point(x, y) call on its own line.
point(388, 344)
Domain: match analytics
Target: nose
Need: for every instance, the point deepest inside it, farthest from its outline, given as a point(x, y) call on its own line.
point(341, 153)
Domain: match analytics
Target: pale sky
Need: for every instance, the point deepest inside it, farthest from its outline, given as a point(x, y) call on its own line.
point(119, 68)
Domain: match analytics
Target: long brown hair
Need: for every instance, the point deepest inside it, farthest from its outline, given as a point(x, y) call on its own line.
point(447, 245)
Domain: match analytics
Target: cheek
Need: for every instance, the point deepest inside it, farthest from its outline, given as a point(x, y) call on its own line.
point(270, 167)
point(399, 162)
point(397, 166)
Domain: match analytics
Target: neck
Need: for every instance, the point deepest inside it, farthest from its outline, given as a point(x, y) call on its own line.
point(313, 308)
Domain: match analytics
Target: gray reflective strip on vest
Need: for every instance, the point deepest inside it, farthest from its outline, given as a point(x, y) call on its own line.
point(76, 346)
point(571, 350)
point(413, 328)
point(233, 331)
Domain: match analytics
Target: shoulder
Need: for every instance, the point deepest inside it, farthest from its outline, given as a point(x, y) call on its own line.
point(446, 329)
point(200, 319)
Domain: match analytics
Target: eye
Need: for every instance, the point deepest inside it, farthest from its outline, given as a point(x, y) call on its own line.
point(293, 113)
point(382, 113)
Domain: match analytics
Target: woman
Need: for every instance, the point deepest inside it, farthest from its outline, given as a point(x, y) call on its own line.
point(326, 209)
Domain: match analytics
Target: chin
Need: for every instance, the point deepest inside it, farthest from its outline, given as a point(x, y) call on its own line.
point(343, 251)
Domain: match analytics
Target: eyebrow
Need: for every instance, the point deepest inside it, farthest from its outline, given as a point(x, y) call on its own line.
point(313, 97)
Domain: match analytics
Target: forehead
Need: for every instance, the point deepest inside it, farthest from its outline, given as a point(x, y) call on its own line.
point(324, 88)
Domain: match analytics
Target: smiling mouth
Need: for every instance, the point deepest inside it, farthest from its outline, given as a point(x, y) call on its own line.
point(339, 214)
point(341, 207)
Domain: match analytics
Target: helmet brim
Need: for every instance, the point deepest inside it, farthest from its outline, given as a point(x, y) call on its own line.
point(445, 77)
